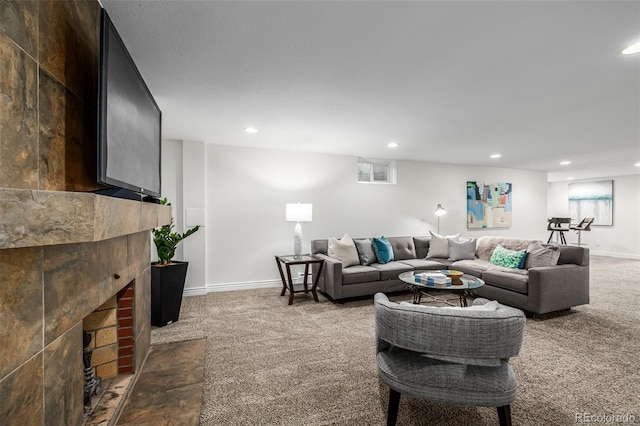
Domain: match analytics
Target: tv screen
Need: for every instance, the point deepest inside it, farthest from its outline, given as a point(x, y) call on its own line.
point(129, 120)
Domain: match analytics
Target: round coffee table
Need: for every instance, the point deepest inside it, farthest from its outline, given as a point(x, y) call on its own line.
point(467, 283)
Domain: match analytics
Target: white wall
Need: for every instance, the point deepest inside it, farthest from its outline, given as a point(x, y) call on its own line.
point(620, 240)
point(171, 187)
point(247, 189)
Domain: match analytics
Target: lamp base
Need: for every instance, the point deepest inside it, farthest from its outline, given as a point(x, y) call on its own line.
point(297, 240)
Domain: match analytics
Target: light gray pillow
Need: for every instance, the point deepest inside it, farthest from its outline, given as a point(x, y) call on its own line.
point(539, 255)
point(439, 245)
point(344, 250)
point(462, 249)
point(365, 251)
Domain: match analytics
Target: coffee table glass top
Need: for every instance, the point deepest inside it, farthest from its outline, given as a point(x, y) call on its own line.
point(469, 282)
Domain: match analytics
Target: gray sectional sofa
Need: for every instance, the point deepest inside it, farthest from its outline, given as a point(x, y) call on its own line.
point(538, 290)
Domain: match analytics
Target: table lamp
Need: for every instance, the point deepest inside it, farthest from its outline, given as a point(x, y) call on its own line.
point(439, 211)
point(297, 212)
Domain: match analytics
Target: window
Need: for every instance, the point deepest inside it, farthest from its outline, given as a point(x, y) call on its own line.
point(376, 171)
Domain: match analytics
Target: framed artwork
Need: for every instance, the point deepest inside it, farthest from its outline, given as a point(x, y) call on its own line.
point(489, 205)
point(592, 199)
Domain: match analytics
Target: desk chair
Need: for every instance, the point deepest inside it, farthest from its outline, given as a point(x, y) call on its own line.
point(584, 225)
point(559, 225)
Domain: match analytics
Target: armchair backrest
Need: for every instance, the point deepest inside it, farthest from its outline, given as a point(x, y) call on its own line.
point(449, 333)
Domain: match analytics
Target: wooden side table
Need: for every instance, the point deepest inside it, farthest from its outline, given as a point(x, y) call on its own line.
point(287, 282)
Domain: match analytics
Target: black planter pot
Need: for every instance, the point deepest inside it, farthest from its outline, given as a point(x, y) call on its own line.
point(167, 286)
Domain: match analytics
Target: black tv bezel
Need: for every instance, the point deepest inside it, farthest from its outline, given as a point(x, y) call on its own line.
point(105, 26)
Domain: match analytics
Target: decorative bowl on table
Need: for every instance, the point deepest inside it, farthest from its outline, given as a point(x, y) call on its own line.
point(454, 275)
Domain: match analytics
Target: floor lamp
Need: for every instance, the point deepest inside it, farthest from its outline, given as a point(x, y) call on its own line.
point(297, 212)
point(439, 211)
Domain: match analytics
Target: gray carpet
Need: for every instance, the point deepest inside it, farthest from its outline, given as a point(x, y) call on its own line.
point(268, 363)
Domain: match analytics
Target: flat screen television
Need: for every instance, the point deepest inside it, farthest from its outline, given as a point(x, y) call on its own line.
point(129, 122)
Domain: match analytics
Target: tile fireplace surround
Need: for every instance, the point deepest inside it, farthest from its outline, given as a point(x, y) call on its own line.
point(64, 251)
point(62, 255)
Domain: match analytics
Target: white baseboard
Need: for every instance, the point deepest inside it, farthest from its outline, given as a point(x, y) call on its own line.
point(194, 291)
point(612, 254)
point(244, 285)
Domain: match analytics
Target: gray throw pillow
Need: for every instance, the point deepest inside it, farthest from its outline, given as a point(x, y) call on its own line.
point(462, 249)
point(365, 251)
point(539, 255)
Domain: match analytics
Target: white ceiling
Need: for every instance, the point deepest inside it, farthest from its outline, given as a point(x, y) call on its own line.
point(450, 81)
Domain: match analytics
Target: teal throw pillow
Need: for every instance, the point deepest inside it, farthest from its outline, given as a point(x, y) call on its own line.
point(507, 258)
point(383, 249)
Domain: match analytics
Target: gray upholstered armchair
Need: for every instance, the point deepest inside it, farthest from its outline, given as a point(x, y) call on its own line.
point(454, 356)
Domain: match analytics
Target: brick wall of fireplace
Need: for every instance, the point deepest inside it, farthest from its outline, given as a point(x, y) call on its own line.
point(64, 252)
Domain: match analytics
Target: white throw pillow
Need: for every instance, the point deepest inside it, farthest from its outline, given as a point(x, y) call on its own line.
point(439, 245)
point(344, 250)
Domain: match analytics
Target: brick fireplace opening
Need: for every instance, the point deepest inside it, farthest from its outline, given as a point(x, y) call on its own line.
point(112, 330)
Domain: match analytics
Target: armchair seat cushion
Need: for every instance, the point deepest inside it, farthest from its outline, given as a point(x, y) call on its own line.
point(415, 374)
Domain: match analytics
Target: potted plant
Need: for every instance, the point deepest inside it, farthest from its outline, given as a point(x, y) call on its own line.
point(167, 276)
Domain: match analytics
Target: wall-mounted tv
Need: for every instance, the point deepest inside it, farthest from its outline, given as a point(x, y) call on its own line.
point(129, 121)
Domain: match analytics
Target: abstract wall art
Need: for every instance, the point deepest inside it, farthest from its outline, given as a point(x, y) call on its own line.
point(489, 205)
point(592, 199)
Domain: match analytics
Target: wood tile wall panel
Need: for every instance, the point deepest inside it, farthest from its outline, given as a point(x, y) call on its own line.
point(21, 398)
point(18, 117)
point(19, 21)
point(21, 310)
point(66, 267)
point(64, 379)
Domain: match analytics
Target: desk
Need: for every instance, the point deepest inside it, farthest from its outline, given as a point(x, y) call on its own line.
point(287, 282)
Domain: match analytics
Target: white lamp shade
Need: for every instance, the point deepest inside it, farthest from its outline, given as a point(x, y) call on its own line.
point(439, 211)
point(297, 212)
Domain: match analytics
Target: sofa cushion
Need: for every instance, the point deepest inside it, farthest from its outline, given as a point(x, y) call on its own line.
point(539, 255)
point(403, 248)
point(507, 280)
point(344, 250)
point(366, 254)
point(383, 249)
point(426, 264)
point(485, 245)
point(391, 270)
point(439, 245)
point(507, 258)
point(359, 274)
point(477, 267)
point(422, 246)
point(462, 249)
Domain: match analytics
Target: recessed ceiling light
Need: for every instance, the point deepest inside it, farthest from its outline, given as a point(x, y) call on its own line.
point(634, 48)
point(496, 155)
point(251, 130)
point(392, 145)
point(570, 178)
point(565, 163)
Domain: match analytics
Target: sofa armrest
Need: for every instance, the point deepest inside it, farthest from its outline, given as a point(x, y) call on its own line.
point(331, 278)
point(553, 288)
